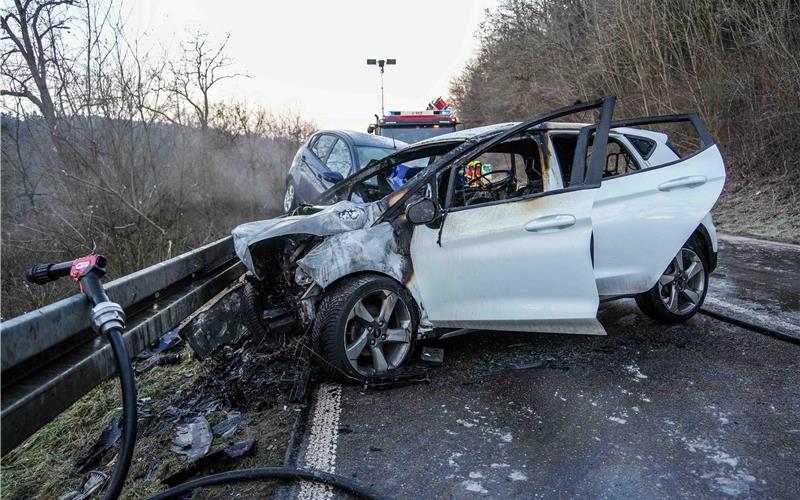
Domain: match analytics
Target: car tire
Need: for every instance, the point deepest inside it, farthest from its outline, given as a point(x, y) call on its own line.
point(365, 327)
point(289, 198)
point(252, 305)
point(681, 289)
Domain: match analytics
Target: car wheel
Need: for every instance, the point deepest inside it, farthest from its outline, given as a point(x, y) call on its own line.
point(289, 198)
point(365, 327)
point(252, 305)
point(681, 289)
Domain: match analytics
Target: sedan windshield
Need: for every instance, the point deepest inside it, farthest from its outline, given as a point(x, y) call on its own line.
point(369, 153)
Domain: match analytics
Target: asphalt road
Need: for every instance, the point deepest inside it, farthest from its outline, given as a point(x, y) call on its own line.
point(704, 409)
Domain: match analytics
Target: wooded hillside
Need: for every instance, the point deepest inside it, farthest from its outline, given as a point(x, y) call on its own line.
point(736, 62)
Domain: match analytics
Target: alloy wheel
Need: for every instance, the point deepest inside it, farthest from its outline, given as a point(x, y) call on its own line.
point(288, 198)
point(377, 332)
point(682, 285)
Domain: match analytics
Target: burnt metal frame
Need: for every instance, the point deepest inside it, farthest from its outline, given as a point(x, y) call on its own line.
point(606, 105)
point(51, 357)
point(706, 142)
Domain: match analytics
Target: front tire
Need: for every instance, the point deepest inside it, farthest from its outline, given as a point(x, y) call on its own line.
point(289, 198)
point(365, 327)
point(681, 289)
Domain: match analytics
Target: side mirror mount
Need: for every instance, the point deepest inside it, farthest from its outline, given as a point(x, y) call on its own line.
point(422, 211)
point(332, 177)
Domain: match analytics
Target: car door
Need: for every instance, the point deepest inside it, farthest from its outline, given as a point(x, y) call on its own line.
point(523, 264)
point(312, 168)
point(642, 218)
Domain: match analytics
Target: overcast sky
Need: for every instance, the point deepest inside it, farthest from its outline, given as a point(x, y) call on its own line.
point(311, 55)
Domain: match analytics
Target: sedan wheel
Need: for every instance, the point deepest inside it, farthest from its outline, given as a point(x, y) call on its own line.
point(288, 198)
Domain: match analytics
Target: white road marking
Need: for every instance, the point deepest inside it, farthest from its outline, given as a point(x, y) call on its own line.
point(321, 452)
point(769, 321)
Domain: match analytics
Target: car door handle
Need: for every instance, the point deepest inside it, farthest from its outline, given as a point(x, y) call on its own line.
point(688, 182)
point(550, 223)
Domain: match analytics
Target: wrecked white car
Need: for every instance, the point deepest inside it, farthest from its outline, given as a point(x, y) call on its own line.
point(521, 227)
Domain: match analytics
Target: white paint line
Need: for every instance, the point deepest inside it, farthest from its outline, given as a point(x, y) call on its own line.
point(769, 321)
point(321, 451)
point(754, 241)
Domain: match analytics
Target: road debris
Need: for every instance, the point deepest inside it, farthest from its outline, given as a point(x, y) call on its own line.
point(167, 342)
point(432, 356)
point(227, 428)
point(219, 459)
point(193, 439)
point(92, 483)
point(108, 437)
point(220, 325)
point(166, 359)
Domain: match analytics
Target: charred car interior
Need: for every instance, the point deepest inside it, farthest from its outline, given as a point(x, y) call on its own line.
point(399, 251)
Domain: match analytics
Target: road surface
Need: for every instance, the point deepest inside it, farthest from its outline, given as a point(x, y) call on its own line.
point(699, 410)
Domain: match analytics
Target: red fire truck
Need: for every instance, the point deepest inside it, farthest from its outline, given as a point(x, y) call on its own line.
point(414, 126)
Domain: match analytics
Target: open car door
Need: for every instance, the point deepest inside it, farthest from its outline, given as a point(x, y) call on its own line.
point(521, 264)
point(642, 218)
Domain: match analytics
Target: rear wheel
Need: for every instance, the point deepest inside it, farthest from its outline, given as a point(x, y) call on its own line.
point(681, 289)
point(365, 327)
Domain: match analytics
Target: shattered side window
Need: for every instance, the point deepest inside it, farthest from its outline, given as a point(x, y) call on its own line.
point(339, 159)
point(323, 146)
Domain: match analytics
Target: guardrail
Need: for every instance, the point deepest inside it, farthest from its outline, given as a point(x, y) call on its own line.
point(51, 357)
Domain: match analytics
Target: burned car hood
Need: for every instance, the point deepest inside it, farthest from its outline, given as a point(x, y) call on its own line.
point(254, 237)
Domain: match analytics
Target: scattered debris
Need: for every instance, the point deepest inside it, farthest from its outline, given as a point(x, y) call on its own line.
point(108, 437)
point(216, 461)
point(222, 324)
point(166, 359)
point(227, 428)
point(432, 356)
point(167, 341)
point(300, 387)
point(92, 483)
point(241, 449)
point(400, 377)
point(193, 439)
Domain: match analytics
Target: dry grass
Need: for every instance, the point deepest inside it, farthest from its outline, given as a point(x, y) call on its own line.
point(42, 467)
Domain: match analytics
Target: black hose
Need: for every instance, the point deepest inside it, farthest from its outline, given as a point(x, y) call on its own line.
point(243, 475)
point(128, 414)
point(752, 327)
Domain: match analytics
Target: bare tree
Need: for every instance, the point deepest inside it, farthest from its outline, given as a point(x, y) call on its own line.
point(32, 47)
point(202, 66)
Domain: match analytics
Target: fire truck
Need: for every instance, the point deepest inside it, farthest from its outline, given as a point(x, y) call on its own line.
point(414, 126)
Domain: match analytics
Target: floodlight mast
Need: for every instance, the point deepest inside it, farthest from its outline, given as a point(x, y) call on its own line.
point(381, 63)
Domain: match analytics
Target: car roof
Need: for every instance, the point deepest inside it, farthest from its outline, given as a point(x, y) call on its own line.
point(363, 139)
point(470, 133)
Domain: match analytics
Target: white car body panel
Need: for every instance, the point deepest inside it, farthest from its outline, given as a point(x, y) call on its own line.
point(523, 265)
point(641, 219)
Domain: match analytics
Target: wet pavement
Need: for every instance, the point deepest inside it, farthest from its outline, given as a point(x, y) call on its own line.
point(704, 409)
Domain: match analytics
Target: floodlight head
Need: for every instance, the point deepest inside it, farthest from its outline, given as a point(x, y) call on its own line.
point(391, 61)
point(372, 62)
